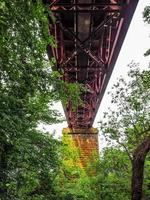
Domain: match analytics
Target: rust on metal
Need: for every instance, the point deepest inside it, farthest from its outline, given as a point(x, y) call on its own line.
point(89, 36)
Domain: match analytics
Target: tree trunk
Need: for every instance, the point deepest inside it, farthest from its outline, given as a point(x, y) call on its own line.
point(138, 168)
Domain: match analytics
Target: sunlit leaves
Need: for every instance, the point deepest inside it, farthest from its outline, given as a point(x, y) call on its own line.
point(129, 121)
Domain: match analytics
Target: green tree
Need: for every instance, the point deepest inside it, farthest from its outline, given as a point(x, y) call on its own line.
point(129, 124)
point(32, 167)
point(28, 87)
point(113, 175)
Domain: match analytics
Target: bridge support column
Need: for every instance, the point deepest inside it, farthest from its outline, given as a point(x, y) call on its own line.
point(86, 140)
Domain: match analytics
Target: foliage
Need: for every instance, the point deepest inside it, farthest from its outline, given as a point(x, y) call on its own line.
point(105, 178)
point(28, 87)
point(146, 16)
point(110, 178)
point(72, 182)
point(32, 167)
point(113, 176)
point(129, 125)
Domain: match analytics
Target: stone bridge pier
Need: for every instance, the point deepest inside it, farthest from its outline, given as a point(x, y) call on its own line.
point(86, 141)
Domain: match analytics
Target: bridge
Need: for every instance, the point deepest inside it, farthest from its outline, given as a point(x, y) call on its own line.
point(89, 36)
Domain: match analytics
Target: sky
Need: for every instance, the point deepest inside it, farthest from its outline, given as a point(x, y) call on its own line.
point(136, 43)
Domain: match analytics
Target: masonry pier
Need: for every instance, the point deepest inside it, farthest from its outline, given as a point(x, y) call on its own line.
point(86, 140)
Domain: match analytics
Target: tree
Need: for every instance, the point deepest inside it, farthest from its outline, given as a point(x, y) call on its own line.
point(32, 166)
point(129, 125)
point(113, 174)
point(28, 87)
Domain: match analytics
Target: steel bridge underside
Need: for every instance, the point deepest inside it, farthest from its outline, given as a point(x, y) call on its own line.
point(89, 35)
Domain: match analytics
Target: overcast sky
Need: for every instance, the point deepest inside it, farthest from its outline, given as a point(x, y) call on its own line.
point(137, 41)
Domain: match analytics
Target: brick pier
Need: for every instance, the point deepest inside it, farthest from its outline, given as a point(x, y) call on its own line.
point(86, 140)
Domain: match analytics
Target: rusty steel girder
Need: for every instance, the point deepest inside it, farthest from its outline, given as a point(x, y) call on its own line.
point(89, 36)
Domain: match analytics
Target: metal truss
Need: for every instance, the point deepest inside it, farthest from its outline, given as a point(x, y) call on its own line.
point(87, 35)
